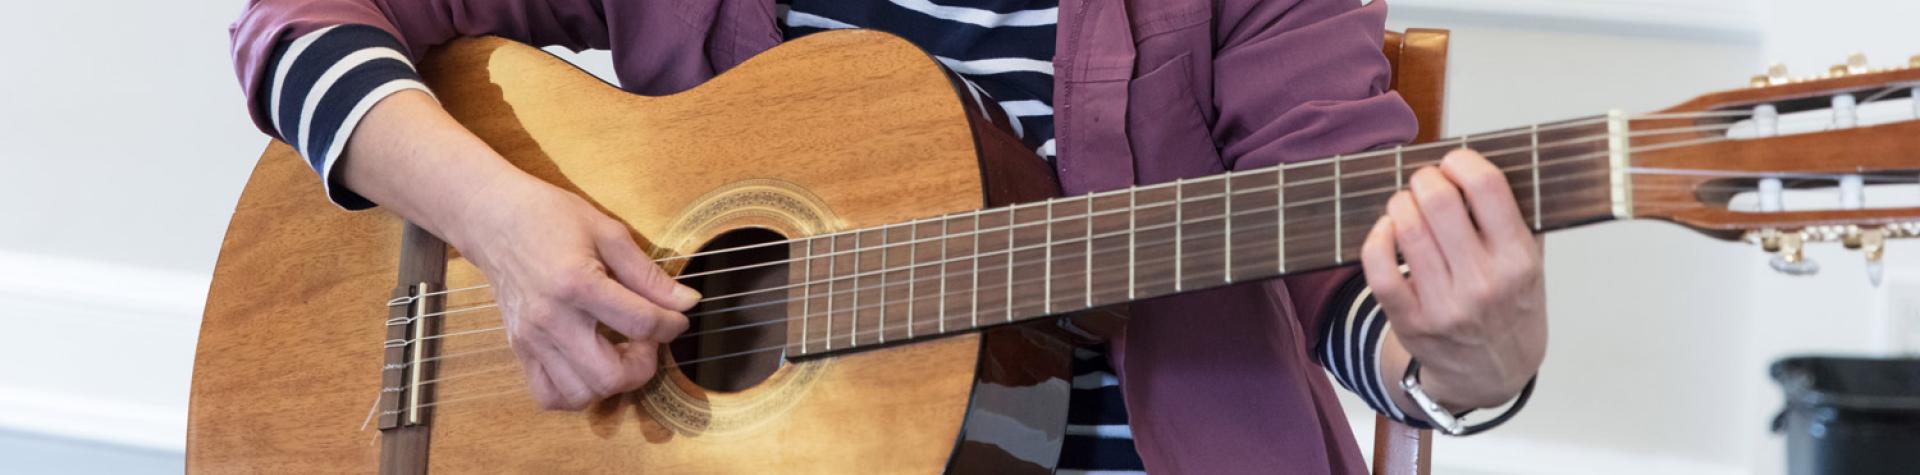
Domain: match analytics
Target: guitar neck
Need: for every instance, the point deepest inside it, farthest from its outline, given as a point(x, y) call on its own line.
point(965, 271)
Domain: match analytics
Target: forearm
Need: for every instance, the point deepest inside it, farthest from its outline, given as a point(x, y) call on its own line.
point(411, 157)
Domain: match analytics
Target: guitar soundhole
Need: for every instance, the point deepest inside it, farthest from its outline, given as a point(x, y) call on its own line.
point(729, 334)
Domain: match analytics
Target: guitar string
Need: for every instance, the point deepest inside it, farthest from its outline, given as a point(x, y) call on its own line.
point(1504, 153)
point(1307, 219)
point(1030, 279)
point(521, 389)
point(1068, 255)
point(1222, 197)
point(763, 350)
point(1645, 186)
point(914, 301)
point(1377, 154)
point(1518, 183)
point(1463, 141)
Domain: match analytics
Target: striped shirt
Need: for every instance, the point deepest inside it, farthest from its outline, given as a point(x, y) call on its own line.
point(324, 82)
point(1001, 49)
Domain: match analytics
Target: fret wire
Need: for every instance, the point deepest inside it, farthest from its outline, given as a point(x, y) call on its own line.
point(1088, 289)
point(1010, 249)
point(806, 303)
point(1133, 227)
point(853, 333)
point(1399, 170)
point(1179, 206)
point(1227, 242)
point(1280, 216)
point(832, 277)
point(1339, 254)
point(913, 269)
point(941, 303)
point(1536, 177)
point(1046, 286)
point(886, 248)
point(973, 310)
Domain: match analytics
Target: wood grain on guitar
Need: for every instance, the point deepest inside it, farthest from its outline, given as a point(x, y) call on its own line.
point(909, 260)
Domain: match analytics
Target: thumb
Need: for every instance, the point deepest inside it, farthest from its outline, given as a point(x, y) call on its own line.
point(637, 272)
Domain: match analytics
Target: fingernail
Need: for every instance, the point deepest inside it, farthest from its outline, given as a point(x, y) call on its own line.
point(686, 296)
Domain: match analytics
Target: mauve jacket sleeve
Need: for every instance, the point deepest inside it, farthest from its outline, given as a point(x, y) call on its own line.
point(420, 25)
point(1300, 80)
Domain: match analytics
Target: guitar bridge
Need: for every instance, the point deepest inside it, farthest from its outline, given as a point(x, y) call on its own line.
point(405, 375)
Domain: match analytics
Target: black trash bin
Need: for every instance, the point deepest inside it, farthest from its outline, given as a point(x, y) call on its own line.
point(1850, 415)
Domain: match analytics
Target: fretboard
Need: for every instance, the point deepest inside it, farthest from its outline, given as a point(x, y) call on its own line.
point(965, 271)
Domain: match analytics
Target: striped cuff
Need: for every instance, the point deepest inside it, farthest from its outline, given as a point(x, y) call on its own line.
point(323, 83)
point(1350, 348)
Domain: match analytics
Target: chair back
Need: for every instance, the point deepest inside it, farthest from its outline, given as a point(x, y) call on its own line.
point(1419, 59)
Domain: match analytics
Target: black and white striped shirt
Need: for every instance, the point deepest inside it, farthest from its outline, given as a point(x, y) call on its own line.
point(1002, 49)
point(323, 82)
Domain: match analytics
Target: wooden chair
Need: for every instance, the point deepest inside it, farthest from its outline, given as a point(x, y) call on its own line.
point(1419, 59)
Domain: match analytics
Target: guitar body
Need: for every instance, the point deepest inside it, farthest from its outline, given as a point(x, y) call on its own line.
point(832, 132)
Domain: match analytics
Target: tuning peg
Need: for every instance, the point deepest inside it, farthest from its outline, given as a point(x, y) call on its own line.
point(1856, 64)
point(1769, 240)
point(1873, 243)
point(1776, 75)
point(1790, 260)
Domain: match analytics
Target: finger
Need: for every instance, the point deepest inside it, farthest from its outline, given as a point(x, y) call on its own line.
point(543, 364)
point(1488, 194)
point(523, 338)
point(542, 387)
point(627, 313)
point(637, 271)
point(1445, 215)
point(600, 367)
point(1431, 277)
point(641, 357)
point(1382, 269)
point(573, 392)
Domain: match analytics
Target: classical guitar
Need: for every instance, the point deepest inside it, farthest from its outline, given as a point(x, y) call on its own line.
point(867, 317)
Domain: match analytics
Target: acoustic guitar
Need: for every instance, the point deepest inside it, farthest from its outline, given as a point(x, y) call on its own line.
point(881, 264)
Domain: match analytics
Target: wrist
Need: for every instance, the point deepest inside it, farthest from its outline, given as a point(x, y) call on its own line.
point(1447, 389)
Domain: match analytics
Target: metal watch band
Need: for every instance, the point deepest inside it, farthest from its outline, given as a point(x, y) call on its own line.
point(1450, 423)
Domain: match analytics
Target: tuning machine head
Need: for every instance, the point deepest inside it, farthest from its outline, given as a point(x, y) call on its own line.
point(1788, 248)
point(1856, 64)
point(1776, 75)
point(1789, 256)
point(1873, 244)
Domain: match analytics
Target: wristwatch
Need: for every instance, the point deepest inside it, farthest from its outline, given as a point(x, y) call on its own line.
point(1450, 423)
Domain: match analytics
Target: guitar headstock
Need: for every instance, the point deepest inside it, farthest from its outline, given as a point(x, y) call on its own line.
point(1787, 161)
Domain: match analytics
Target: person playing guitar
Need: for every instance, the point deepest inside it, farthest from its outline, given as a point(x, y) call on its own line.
point(1109, 94)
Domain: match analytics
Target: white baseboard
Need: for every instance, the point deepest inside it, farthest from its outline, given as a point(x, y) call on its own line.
point(97, 351)
point(1740, 18)
point(1490, 454)
point(93, 419)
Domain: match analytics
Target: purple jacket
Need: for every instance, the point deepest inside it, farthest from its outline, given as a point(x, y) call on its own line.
point(1145, 91)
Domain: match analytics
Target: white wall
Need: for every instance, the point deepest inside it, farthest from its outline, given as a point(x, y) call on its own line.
point(123, 144)
point(122, 148)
